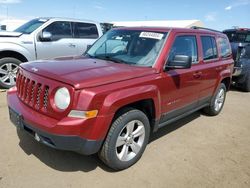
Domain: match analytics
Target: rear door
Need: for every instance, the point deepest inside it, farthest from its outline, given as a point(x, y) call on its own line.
point(84, 35)
point(61, 43)
point(211, 68)
point(182, 85)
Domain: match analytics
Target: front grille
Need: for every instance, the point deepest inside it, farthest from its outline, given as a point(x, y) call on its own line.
point(32, 93)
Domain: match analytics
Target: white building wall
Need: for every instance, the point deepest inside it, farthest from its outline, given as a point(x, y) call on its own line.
point(11, 25)
point(163, 23)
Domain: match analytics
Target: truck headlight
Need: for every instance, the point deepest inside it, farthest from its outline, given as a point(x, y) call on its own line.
point(62, 98)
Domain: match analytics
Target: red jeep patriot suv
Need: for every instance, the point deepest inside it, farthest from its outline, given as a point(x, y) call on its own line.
point(130, 83)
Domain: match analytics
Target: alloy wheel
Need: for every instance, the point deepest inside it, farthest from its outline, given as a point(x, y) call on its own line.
point(130, 140)
point(8, 73)
point(219, 100)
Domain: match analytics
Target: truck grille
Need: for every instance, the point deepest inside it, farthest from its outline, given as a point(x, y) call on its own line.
point(32, 93)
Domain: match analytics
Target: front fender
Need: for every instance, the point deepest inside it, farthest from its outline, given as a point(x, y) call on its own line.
point(9, 46)
point(121, 98)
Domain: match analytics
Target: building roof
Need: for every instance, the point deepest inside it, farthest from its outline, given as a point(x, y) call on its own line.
point(161, 23)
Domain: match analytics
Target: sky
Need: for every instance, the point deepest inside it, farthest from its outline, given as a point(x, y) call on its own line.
point(216, 14)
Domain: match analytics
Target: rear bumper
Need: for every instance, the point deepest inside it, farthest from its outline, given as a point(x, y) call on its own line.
point(237, 71)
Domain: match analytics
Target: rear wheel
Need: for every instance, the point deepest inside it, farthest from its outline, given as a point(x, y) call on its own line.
point(217, 101)
point(8, 71)
point(246, 86)
point(126, 140)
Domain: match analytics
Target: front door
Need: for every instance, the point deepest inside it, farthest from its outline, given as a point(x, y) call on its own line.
point(61, 43)
point(182, 85)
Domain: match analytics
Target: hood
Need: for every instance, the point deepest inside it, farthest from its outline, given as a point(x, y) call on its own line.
point(82, 72)
point(10, 34)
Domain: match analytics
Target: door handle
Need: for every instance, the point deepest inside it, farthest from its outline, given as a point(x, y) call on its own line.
point(72, 45)
point(197, 74)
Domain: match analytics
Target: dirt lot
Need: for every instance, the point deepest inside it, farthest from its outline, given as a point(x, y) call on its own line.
point(199, 151)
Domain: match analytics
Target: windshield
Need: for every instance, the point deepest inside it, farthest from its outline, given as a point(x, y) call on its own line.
point(239, 36)
point(31, 26)
point(135, 47)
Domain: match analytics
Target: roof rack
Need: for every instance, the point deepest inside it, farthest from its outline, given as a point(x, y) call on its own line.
point(204, 28)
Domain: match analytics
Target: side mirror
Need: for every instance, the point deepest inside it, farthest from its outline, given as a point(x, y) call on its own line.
point(179, 62)
point(46, 36)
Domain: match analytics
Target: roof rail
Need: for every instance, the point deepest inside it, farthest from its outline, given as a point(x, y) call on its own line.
point(204, 28)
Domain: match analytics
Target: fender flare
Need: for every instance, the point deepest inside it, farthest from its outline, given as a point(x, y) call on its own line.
point(118, 99)
point(16, 48)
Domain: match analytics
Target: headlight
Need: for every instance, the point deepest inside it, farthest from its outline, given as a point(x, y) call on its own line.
point(62, 98)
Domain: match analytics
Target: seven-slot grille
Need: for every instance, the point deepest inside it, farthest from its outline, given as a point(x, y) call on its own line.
point(32, 93)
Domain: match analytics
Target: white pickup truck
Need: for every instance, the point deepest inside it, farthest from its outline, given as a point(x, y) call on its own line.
point(44, 38)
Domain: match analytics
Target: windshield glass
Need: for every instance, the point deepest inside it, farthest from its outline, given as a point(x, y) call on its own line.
point(241, 36)
point(135, 47)
point(31, 26)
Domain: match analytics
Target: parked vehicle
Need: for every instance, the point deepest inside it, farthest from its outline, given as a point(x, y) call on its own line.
point(43, 38)
point(240, 42)
point(131, 82)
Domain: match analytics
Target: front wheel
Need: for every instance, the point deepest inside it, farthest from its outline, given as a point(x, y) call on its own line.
point(8, 71)
point(126, 140)
point(217, 101)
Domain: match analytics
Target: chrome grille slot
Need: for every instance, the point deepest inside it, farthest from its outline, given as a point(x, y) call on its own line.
point(32, 93)
point(46, 97)
point(38, 95)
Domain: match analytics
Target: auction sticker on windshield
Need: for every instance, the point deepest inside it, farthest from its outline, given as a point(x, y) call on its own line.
point(151, 35)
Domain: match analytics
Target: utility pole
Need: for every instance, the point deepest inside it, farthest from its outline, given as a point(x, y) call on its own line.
point(7, 12)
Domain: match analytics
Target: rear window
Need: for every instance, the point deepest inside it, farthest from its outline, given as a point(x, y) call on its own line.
point(209, 47)
point(85, 31)
point(224, 47)
point(238, 36)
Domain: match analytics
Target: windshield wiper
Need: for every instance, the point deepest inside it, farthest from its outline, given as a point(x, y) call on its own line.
point(109, 58)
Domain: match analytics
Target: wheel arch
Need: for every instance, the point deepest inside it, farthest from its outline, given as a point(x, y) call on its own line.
point(13, 54)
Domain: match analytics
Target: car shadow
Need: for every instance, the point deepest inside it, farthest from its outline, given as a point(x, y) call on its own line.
point(64, 161)
point(67, 161)
point(174, 126)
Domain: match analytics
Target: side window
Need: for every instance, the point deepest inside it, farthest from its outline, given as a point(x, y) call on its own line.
point(59, 30)
point(224, 47)
point(85, 31)
point(209, 48)
point(185, 45)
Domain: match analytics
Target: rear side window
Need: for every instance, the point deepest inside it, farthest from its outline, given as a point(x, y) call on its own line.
point(184, 45)
point(224, 47)
point(85, 31)
point(59, 30)
point(209, 47)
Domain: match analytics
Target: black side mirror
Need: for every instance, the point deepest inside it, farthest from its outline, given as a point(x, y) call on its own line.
point(179, 62)
point(46, 36)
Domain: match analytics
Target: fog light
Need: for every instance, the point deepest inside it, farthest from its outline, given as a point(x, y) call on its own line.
point(37, 137)
point(83, 114)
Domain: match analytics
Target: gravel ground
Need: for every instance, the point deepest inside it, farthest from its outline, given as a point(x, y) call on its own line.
point(197, 151)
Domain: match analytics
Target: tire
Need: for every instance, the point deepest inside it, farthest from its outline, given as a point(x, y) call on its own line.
point(246, 86)
point(133, 129)
point(217, 102)
point(8, 70)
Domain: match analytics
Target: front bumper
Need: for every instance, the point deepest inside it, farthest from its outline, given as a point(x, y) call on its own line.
point(66, 134)
point(69, 143)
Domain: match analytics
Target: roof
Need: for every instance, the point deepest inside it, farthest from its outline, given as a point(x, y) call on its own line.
point(173, 29)
point(68, 19)
point(237, 29)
